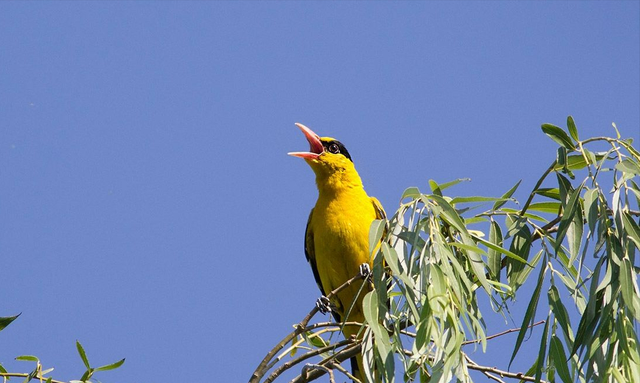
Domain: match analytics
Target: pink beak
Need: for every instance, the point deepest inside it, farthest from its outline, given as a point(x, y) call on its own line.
point(315, 145)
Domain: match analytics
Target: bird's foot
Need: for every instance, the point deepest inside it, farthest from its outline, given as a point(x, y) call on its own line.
point(365, 270)
point(323, 304)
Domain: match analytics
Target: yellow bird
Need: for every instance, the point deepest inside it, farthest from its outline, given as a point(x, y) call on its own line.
point(337, 235)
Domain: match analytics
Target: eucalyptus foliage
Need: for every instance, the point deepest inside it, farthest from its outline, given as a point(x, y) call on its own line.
point(577, 237)
point(574, 240)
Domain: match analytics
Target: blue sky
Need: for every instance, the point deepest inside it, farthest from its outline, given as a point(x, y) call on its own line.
point(148, 207)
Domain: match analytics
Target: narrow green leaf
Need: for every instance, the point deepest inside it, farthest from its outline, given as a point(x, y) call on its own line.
point(501, 250)
point(111, 366)
point(452, 183)
point(87, 375)
point(561, 314)
point(558, 135)
point(631, 228)
point(552, 193)
point(435, 188)
point(568, 215)
point(83, 355)
point(376, 230)
point(29, 358)
point(2, 370)
point(573, 131)
point(450, 213)
point(475, 199)
point(310, 337)
point(542, 351)
point(576, 162)
point(591, 208)
point(557, 354)
point(493, 255)
point(545, 207)
point(49, 380)
point(627, 285)
point(529, 314)
point(506, 196)
point(5, 321)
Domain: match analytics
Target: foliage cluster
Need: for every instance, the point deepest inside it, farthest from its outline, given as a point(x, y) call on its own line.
point(39, 374)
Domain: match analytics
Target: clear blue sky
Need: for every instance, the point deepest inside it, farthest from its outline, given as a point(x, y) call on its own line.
point(147, 204)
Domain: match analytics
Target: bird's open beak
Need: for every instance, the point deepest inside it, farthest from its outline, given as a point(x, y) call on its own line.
point(315, 145)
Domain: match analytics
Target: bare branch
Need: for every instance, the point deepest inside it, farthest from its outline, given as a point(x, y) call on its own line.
point(492, 370)
point(264, 366)
point(24, 375)
point(503, 333)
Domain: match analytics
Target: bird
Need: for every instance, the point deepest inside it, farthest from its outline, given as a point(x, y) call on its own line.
point(336, 241)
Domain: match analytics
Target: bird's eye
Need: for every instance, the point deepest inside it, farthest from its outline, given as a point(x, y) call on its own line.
point(333, 148)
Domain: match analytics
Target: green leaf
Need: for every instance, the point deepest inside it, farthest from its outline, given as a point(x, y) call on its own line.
point(83, 355)
point(628, 166)
point(506, 196)
point(545, 207)
point(29, 358)
point(376, 230)
point(542, 350)
point(567, 217)
point(631, 228)
point(493, 255)
point(410, 192)
point(435, 188)
point(450, 213)
point(559, 358)
point(552, 193)
point(573, 131)
point(5, 321)
point(575, 162)
point(529, 314)
point(87, 375)
point(501, 250)
point(452, 183)
point(2, 370)
point(111, 366)
point(627, 285)
point(310, 337)
point(476, 199)
point(558, 135)
point(561, 314)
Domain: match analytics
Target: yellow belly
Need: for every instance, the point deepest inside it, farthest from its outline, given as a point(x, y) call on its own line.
point(341, 242)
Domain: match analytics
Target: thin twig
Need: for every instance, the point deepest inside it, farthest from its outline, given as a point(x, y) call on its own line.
point(317, 351)
point(338, 357)
point(315, 367)
point(343, 370)
point(484, 369)
point(503, 333)
point(263, 367)
point(24, 375)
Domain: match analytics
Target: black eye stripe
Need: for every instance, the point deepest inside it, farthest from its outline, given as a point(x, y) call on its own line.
point(341, 149)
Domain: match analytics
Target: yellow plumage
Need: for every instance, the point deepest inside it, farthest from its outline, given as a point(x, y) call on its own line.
point(337, 235)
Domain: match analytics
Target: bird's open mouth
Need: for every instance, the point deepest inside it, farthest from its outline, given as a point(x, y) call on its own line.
point(315, 145)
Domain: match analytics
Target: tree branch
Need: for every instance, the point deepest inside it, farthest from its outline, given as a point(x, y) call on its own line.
point(503, 374)
point(263, 367)
point(24, 375)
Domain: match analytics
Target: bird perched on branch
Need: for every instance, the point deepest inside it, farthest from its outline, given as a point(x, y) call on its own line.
point(337, 236)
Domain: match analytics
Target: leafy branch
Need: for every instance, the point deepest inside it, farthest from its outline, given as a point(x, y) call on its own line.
point(575, 238)
point(39, 374)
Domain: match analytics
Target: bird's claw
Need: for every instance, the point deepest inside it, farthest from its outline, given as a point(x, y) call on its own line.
point(323, 304)
point(365, 270)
